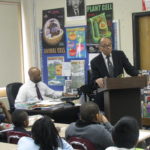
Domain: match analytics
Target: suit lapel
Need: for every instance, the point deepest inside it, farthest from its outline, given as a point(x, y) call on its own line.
point(114, 57)
point(103, 65)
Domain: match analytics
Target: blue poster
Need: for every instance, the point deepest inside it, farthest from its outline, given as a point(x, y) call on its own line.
point(75, 42)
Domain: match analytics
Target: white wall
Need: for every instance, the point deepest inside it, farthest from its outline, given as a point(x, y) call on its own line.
point(122, 9)
point(11, 62)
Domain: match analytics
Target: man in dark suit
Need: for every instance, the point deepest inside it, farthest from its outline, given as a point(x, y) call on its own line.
point(75, 8)
point(109, 64)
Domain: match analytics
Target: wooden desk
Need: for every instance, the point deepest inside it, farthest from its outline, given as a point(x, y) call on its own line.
point(62, 128)
point(146, 121)
point(7, 146)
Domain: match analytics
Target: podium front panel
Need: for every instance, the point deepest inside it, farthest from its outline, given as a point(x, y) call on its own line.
point(122, 102)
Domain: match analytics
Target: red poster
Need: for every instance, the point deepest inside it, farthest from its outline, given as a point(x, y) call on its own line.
point(145, 4)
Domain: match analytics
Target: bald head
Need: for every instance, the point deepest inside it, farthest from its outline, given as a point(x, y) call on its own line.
point(105, 46)
point(34, 74)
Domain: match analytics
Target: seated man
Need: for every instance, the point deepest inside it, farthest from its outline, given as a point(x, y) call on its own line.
point(92, 126)
point(20, 121)
point(5, 117)
point(34, 90)
point(125, 134)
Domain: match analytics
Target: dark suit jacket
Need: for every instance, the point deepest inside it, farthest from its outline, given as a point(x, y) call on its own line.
point(120, 62)
point(70, 11)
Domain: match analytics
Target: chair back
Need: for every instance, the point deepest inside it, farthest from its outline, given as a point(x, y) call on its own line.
point(14, 136)
point(81, 143)
point(12, 91)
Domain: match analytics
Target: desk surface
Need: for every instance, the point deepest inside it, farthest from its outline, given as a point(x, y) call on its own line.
point(62, 128)
point(62, 114)
point(7, 146)
point(144, 134)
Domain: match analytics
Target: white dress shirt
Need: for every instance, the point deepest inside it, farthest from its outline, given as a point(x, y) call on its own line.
point(105, 59)
point(27, 92)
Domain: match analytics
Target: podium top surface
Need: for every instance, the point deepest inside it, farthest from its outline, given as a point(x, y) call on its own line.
point(124, 83)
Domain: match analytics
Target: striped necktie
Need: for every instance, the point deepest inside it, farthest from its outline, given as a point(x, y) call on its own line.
point(110, 67)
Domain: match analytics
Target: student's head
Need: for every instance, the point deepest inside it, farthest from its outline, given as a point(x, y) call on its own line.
point(20, 118)
point(89, 111)
point(34, 74)
point(45, 134)
point(105, 46)
point(126, 132)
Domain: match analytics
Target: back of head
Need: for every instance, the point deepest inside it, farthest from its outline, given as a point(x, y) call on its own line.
point(45, 134)
point(126, 132)
point(88, 111)
point(20, 118)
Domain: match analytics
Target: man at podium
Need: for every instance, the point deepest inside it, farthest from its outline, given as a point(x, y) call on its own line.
point(109, 63)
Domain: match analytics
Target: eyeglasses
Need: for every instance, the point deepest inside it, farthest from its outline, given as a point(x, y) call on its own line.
point(105, 46)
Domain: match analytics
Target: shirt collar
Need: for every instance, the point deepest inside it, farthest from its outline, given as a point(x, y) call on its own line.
point(104, 56)
point(32, 83)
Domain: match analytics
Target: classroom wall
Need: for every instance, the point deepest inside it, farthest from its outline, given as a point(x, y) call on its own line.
point(11, 62)
point(122, 9)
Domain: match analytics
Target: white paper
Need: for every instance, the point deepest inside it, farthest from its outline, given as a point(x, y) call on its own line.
point(66, 69)
point(144, 134)
point(47, 102)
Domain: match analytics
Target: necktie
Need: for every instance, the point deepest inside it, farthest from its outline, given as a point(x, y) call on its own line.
point(38, 92)
point(110, 67)
point(76, 11)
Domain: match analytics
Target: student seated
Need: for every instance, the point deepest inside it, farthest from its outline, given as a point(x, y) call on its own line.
point(125, 134)
point(92, 126)
point(45, 137)
point(20, 120)
point(5, 116)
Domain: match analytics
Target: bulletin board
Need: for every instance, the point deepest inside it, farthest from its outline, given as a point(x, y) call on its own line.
point(75, 52)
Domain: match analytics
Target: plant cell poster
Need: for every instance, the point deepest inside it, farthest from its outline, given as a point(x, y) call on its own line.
point(99, 24)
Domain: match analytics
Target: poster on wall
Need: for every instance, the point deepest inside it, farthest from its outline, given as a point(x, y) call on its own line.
point(146, 4)
point(75, 42)
point(54, 67)
point(77, 73)
point(53, 31)
point(75, 9)
point(99, 24)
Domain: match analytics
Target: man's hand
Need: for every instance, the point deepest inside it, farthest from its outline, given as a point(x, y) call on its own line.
point(101, 118)
point(100, 82)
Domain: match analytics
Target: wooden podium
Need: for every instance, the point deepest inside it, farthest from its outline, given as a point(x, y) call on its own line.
point(122, 97)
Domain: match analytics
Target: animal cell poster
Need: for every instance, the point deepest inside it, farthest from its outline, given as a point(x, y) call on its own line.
point(99, 24)
point(53, 31)
point(54, 67)
point(75, 42)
